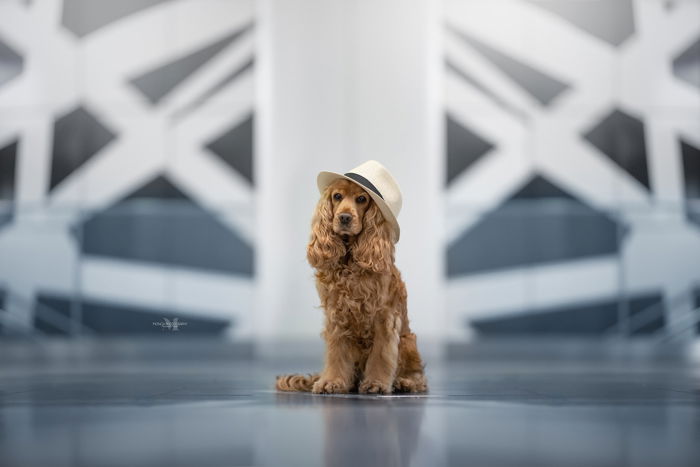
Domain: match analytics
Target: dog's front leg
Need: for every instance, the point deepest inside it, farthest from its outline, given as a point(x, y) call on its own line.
point(338, 374)
point(383, 358)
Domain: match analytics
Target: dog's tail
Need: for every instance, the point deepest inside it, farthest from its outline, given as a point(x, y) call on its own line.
point(297, 382)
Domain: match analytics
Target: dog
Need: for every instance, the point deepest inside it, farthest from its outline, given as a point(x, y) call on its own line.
point(370, 348)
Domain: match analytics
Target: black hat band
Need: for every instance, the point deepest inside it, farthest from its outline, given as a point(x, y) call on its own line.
point(364, 182)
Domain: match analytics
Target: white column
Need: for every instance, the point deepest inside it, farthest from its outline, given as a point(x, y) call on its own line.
point(339, 83)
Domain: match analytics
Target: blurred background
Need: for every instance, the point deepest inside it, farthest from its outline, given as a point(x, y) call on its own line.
point(158, 160)
point(158, 163)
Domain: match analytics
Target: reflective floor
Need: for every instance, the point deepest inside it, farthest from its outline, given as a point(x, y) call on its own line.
point(225, 413)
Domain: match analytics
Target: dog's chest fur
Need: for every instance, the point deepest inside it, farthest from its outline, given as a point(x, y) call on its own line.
point(351, 297)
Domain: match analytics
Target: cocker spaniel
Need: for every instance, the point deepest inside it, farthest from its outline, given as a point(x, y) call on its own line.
point(370, 348)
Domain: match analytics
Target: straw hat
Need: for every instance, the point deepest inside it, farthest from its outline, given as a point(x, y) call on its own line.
point(380, 185)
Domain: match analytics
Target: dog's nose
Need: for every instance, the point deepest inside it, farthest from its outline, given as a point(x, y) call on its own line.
point(344, 218)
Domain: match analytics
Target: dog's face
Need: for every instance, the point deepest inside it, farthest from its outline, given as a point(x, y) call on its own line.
point(347, 216)
point(349, 202)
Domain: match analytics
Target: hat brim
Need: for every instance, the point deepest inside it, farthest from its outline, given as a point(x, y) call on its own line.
point(326, 178)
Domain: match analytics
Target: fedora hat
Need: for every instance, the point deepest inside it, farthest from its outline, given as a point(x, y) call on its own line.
point(380, 185)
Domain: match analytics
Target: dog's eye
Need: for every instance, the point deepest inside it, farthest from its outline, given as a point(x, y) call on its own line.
point(337, 196)
point(361, 199)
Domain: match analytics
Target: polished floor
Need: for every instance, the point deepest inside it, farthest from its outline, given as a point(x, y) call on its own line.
point(479, 412)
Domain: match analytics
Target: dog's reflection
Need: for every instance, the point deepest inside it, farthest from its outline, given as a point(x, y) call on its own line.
point(366, 430)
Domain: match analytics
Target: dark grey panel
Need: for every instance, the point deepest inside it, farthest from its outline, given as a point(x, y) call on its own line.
point(77, 137)
point(541, 86)
point(697, 307)
point(585, 319)
point(540, 188)
point(11, 63)
point(8, 161)
point(8, 157)
point(464, 147)
point(230, 78)
point(687, 65)
point(691, 176)
point(642, 306)
point(85, 16)
point(225, 81)
point(158, 188)
point(621, 137)
point(235, 147)
point(540, 223)
point(609, 20)
point(691, 170)
point(52, 315)
point(2, 308)
point(157, 83)
point(116, 319)
point(172, 231)
point(473, 81)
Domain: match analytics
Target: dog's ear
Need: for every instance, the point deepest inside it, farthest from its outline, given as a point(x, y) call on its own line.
point(374, 248)
point(324, 246)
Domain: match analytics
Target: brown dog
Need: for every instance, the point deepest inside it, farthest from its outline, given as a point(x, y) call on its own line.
point(369, 345)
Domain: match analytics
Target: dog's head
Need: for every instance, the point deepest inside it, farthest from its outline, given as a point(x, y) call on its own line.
point(349, 202)
point(347, 219)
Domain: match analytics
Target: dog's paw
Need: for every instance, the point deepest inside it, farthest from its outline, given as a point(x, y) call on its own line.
point(412, 385)
point(325, 386)
point(374, 387)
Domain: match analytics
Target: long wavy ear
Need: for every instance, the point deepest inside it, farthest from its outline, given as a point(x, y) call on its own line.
point(374, 249)
point(324, 246)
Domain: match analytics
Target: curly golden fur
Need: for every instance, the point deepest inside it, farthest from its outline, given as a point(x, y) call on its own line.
point(369, 345)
